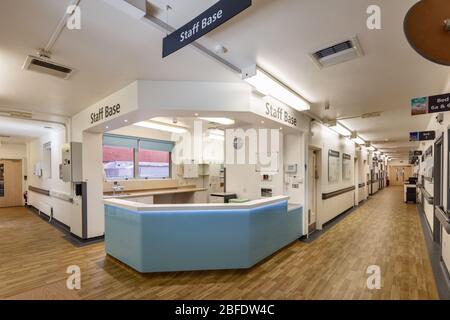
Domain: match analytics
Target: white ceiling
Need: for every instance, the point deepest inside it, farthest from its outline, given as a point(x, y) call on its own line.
point(21, 131)
point(113, 49)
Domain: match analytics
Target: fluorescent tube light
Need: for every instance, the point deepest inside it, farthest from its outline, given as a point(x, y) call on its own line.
point(357, 139)
point(269, 86)
point(339, 128)
point(371, 148)
point(223, 121)
point(161, 127)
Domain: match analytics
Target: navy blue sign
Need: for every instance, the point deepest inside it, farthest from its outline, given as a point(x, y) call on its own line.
point(422, 136)
point(212, 18)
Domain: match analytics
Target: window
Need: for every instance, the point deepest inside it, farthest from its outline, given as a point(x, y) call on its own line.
point(118, 162)
point(130, 157)
point(154, 164)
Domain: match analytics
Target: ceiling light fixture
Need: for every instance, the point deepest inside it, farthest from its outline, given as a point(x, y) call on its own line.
point(223, 121)
point(357, 139)
point(270, 86)
point(339, 128)
point(161, 127)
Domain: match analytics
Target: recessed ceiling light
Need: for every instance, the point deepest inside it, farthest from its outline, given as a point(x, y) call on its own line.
point(107, 127)
point(196, 114)
point(125, 121)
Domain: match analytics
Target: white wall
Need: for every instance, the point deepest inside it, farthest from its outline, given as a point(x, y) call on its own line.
point(325, 140)
point(63, 211)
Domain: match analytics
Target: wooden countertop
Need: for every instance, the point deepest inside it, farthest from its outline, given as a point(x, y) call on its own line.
point(153, 192)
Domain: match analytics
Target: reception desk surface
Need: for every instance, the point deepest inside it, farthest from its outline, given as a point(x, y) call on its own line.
point(186, 237)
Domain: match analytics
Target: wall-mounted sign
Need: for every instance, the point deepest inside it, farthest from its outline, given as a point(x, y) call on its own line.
point(105, 113)
point(433, 104)
point(275, 110)
point(417, 153)
point(422, 136)
point(281, 114)
point(209, 20)
point(333, 166)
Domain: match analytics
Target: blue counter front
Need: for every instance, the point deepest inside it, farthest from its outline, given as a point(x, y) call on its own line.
point(210, 239)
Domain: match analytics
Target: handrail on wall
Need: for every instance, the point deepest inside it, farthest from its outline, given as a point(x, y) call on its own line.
point(443, 218)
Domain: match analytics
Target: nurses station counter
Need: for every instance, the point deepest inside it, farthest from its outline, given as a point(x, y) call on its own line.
point(188, 237)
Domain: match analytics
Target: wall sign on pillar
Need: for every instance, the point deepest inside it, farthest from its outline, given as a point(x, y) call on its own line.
point(433, 104)
point(104, 113)
point(209, 20)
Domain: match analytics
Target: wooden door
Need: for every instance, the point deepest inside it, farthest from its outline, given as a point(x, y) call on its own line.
point(399, 174)
point(10, 183)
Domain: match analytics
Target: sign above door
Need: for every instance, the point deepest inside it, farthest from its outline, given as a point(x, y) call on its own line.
point(206, 22)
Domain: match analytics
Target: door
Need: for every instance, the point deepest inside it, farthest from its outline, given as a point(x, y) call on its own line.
point(399, 174)
point(438, 187)
point(10, 183)
point(313, 177)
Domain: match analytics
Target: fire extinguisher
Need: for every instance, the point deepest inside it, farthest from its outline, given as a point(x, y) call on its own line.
point(25, 197)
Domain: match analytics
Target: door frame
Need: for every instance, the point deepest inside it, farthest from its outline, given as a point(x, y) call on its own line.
point(318, 186)
point(438, 186)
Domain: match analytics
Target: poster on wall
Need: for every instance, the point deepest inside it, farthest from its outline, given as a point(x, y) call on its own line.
point(333, 166)
point(346, 166)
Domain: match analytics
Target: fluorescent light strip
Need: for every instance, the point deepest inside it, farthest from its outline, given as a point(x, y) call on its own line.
point(161, 127)
point(217, 132)
point(343, 131)
point(358, 140)
point(269, 86)
point(223, 121)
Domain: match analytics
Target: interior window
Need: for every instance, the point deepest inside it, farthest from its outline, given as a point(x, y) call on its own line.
point(154, 164)
point(118, 162)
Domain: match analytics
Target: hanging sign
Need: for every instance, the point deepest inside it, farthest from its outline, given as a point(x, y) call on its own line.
point(433, 104)
point(422, 136)
point(209, 20)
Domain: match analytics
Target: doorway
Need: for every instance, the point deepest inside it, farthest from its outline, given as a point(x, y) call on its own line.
point(313, 181)
point(399, 174)
point(10, 183)
point(438, 187)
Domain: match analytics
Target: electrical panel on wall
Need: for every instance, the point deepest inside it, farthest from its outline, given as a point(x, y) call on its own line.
point(71, 166)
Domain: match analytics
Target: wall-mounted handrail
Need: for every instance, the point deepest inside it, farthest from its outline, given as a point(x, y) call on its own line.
point(427, 196)
point(333, 194)
point(443, 218)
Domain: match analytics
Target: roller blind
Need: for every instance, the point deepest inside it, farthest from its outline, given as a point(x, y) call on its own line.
point(120, 141)
point(131, 142)
point(157, 145)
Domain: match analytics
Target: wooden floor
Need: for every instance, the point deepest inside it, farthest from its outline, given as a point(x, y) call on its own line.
point(383, 231)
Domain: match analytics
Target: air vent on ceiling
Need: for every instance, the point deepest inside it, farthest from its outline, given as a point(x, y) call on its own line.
point(47, 66)
point(337, 53)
